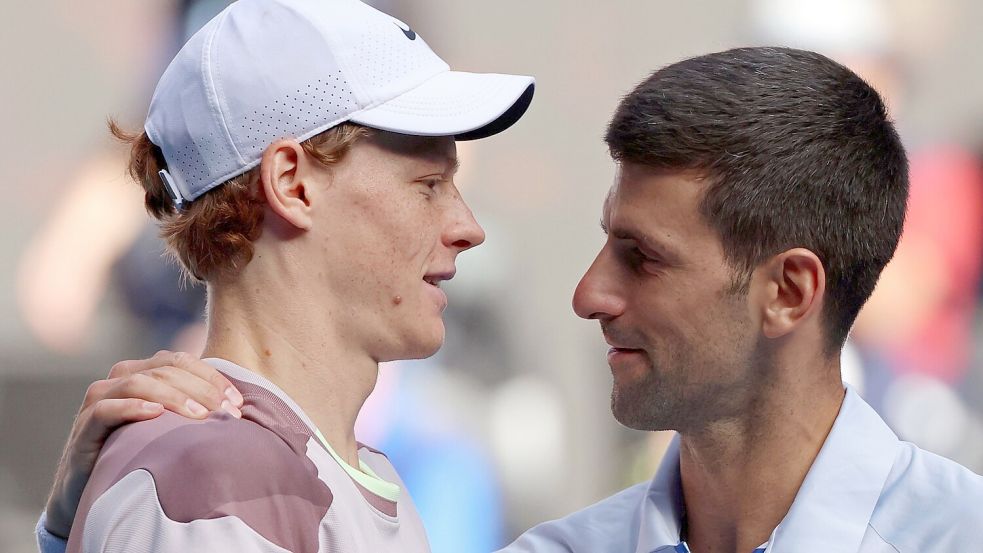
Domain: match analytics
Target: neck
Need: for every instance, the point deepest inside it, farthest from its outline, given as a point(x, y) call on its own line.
point(308, 359)
point(740, 476)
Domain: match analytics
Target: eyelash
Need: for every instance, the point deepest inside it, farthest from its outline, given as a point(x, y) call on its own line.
point(431, 184)
point(639, 257)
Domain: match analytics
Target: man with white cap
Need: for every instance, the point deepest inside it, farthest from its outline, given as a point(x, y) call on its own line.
point(300, 157)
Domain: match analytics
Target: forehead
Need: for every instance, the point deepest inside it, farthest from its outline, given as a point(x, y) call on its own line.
point(661, 205)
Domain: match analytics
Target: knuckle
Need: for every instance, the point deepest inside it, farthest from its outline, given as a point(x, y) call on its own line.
point(96, 389)
point(119, 369)
point(99, 410)
point(137, 381)
point(217, 380)
point(180, 359)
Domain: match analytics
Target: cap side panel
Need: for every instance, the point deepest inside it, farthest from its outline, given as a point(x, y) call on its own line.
point(214, 86)
point(279, 87)
point(184, 119)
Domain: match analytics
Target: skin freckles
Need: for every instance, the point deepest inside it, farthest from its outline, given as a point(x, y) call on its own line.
point(393, 216)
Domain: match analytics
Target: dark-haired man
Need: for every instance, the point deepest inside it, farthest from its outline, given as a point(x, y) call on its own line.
point(759, 193)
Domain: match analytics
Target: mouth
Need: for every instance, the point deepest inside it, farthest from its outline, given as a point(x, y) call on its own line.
point(434, 279)
point(617, 345)
point(619, 350)
point(620, 353)
point(620, 358)
point(624, 350)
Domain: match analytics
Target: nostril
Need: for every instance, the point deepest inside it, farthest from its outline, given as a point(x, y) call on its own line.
point(463, 244)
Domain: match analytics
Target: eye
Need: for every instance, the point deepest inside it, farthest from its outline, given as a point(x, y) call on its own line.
point(645, 261)
point(431, 182)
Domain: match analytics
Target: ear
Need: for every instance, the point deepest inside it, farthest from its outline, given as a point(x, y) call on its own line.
point(286, 179)
point(795, 285)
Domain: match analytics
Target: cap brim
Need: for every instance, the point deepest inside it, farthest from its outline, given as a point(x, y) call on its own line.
point(466, 106)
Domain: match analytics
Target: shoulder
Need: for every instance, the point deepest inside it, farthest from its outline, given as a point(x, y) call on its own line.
point(221, 444)
point(608, 525)
point(929, 503)
point(201, 466)
point(197, 479)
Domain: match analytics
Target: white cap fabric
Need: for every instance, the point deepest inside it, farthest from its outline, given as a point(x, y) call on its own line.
point(268, 69)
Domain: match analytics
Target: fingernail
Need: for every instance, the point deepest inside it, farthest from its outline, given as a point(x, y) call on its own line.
point(234, 396)
point(196, 408)
point(231, 409)
point(151, 407)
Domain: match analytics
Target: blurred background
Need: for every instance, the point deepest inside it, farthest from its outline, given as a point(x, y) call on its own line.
point(516, 404)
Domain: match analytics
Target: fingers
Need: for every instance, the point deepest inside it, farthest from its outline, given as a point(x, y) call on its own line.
point(198, 390)
point(164, 388)
point(207, 373)
point(199, 381)
point(96, 391)
point(160, 359)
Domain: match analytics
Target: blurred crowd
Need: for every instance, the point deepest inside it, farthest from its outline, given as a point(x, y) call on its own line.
point(515, 404)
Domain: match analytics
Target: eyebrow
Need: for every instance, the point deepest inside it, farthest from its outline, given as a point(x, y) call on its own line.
point(645, 240)
point(453, 164)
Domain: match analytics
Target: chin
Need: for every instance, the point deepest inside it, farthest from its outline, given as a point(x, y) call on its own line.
point(424, 345)
point(639, 406)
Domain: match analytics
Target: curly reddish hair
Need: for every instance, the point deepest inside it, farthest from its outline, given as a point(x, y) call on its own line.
point(212, 237)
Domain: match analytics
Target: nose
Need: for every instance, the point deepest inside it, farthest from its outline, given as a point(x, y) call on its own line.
point(599, 294)
point(462, 232)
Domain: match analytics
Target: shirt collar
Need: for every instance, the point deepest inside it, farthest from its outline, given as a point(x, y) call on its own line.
point(837, 498)
point(833, 506)
point(241, 373)
point(662, 508)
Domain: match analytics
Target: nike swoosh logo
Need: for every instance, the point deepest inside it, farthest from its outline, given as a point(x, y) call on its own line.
point(410, 34)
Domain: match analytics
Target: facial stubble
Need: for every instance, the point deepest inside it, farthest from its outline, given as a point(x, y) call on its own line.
point(694, 383)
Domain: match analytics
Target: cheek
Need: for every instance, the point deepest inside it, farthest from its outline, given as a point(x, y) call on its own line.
point(683, 316)
point(416, 241)
point(391, 229)
point(408, 227)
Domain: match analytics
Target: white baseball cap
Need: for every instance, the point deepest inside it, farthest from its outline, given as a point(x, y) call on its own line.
point(262, 70)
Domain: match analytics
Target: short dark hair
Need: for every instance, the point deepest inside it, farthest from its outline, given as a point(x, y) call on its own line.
point(798, 152)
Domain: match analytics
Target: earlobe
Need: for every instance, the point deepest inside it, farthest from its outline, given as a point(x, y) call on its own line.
point(796, 283)
point(285, 180)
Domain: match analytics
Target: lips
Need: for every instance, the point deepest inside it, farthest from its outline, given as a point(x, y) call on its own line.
point(620, 350)
point(620, 356)
point(616, 343)
point(624, 350)
point(435, 278)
